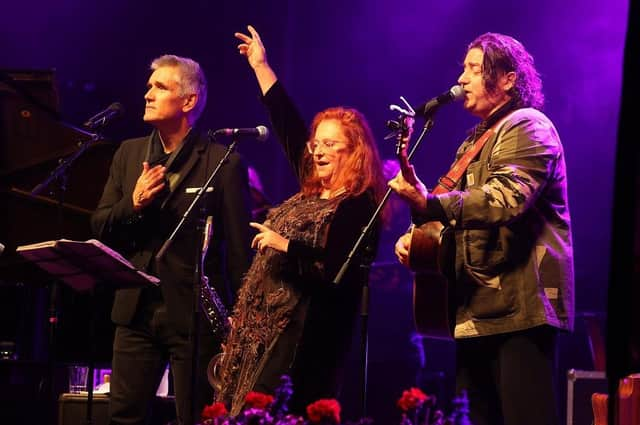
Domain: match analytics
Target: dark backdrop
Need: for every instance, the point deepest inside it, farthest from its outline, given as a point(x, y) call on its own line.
point(363, 54)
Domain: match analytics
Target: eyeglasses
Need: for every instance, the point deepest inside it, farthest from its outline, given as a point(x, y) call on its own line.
point(312, 145)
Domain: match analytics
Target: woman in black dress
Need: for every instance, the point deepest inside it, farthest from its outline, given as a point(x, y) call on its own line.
point(290, 318)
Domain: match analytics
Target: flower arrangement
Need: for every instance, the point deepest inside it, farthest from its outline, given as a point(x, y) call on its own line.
point(324, 411)
point(415, 406)
point(258, 400)
point(264, 409)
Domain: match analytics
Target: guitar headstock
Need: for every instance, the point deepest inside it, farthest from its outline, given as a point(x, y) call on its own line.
point(403, 128)
point(403, 136)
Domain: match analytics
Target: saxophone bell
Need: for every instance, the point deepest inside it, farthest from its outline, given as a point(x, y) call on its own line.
point(213, 371)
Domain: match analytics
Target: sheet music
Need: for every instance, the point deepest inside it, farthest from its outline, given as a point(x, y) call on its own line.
point(83, 264)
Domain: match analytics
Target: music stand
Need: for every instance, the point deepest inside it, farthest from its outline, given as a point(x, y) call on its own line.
point(83, 266)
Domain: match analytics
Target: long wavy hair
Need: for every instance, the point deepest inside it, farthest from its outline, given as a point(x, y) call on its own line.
point(362, 170)
point(503, 54)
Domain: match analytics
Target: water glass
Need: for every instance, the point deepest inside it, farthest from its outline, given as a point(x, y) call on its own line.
point(78, 378)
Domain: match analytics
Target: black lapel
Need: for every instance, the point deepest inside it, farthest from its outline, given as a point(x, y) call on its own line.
point(182, 169)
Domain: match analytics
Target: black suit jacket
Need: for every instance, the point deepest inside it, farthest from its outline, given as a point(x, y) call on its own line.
point(140, 235)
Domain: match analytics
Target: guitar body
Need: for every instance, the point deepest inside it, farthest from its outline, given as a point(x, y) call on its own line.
point(425, 247)
point(430, 288)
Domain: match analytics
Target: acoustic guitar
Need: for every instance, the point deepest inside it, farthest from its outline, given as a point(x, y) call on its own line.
point(430, 288)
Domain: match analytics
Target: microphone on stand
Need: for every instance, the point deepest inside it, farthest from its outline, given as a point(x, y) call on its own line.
point(103, 117)
point(260, 133)
point(431, 106)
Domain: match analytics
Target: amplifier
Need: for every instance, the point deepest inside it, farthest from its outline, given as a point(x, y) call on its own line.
point(581, 384)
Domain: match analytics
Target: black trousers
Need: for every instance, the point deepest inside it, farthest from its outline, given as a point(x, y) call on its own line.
point(140, 354)
point(509, 378)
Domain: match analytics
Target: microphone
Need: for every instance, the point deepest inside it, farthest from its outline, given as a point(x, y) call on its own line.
point(431, 106)
point(103, 117)
point(260, 133)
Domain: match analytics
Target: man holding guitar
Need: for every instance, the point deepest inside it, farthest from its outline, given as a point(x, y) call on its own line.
point(500, 228)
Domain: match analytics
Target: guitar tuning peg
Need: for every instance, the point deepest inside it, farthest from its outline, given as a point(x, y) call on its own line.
point(392, 135)
point(393, 125)
point(401, 111)
point(408, 105)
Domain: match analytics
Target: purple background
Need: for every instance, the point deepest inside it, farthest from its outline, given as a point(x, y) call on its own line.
point(363, 54)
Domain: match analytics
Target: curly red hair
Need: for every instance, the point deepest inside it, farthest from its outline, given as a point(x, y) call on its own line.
point(363, 168)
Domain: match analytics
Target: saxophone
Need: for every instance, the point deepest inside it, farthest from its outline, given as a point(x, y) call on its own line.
point(212, 306)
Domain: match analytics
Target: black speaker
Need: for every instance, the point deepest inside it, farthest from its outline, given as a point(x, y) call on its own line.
point(72, 409)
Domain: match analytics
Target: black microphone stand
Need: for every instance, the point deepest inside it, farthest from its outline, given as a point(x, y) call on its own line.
point(60, 172)
point(197, 276)
point(364, 308)
point(60, 175)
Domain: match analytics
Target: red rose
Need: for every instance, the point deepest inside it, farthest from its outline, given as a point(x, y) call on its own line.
point(327, 409)
point(412, 399)
point(214, 410)
point(258, 400)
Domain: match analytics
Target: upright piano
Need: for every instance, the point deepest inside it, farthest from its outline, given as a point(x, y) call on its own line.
point(33, 141)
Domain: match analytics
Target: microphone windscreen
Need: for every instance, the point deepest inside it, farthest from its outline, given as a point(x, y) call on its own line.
point(457, 92)
point(117, 107)
point(263, 133)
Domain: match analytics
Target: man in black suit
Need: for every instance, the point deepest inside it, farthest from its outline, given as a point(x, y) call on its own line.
point(152, 182)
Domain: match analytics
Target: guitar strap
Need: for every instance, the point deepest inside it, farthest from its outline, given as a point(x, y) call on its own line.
point(450, 180)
